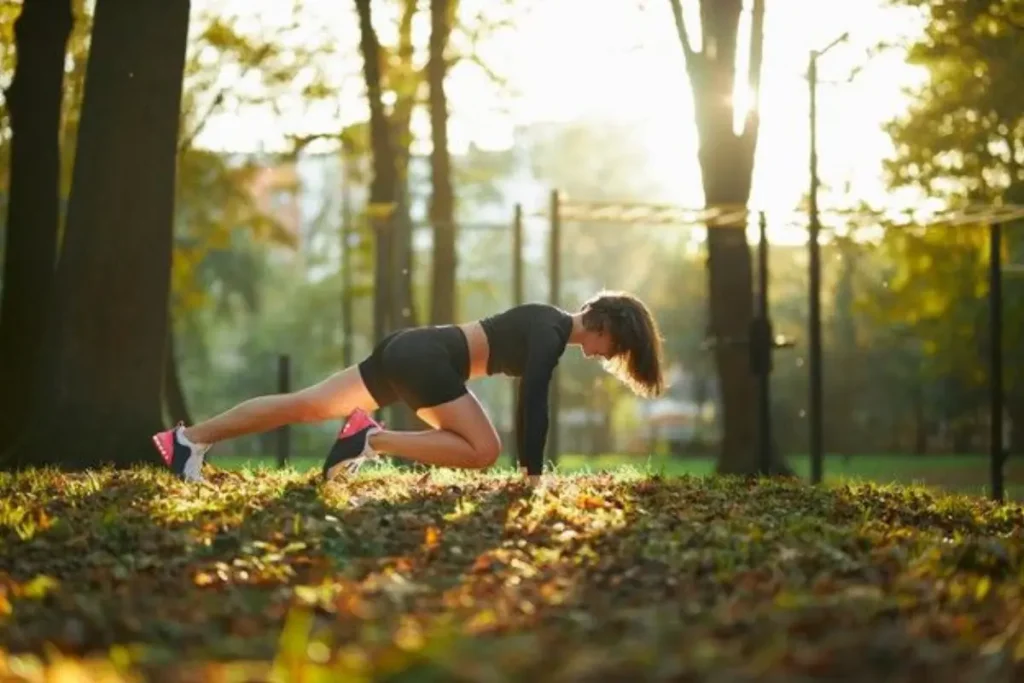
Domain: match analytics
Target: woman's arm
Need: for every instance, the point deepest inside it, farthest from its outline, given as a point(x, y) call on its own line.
point(545, 349)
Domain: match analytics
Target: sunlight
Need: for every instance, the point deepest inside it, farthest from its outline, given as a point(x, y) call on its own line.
point(627, 65)
point(741, 93)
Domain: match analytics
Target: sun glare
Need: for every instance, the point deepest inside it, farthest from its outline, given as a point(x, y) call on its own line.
point(625, 64)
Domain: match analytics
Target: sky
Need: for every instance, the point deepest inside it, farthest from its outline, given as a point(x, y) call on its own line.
point(621, 60)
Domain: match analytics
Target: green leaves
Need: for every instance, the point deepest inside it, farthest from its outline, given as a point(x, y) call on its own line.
point(478, 576)
point(961, 140)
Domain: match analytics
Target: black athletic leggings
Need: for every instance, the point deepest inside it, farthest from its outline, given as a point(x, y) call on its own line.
point(421, 366)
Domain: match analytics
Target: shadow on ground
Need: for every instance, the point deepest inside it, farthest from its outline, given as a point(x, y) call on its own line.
point(482, 578)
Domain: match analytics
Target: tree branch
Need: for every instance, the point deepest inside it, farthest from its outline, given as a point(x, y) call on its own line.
point(756, 55)
point(691, 56)
point(186, 142)
point(477, 61)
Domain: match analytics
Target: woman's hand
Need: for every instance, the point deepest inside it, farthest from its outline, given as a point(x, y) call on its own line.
point(532, 479)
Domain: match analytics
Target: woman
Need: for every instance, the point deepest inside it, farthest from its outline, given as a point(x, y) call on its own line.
point(427, 368)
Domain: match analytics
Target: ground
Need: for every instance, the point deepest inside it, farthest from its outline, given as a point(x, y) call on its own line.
point(959, 473)
point(447, 576)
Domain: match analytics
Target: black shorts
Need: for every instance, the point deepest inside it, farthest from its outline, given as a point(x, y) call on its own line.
point(421, 366)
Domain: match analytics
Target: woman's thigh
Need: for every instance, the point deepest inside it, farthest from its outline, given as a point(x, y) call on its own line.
point(337, 395)
point(420, 370)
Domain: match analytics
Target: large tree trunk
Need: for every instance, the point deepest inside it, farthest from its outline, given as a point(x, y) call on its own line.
point(405, 81)
point(384, 186)
point(33, 212)
point(406, 85)
point(388, 199)
point(100, 400)
point(442, 205)
point(727, 163)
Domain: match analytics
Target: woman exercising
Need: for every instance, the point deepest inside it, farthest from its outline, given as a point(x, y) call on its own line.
point(427, 368)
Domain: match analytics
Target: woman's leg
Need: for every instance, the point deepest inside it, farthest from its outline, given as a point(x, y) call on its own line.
point(335, 397)
point(424, 368)
point(463, 436)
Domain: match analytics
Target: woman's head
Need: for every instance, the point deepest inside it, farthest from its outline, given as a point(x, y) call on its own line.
point(620, 328)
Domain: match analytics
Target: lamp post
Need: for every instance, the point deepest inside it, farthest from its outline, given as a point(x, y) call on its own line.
point(814, 260)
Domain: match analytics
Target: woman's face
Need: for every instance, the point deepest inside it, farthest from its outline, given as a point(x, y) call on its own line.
point(597, 343)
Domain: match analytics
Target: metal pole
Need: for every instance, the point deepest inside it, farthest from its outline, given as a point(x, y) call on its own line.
point(346, 264)
point(555, 294)
point(518, 297)
point(995, 332)
point(283, 432)
point(814, 284)
point(815, 409)
point(761, 342)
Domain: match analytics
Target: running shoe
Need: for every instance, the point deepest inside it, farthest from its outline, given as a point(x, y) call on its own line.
point(352, 447)
point(183, 457)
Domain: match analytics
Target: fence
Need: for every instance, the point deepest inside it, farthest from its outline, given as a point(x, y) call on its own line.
point(798, 398)
point(761, 340)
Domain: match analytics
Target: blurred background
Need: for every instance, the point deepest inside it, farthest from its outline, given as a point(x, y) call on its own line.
point(274, 244)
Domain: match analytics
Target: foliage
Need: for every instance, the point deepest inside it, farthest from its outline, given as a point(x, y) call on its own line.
point(962, 136)
point(8, 15)
point(961, 140)
point(449, 576)
point(218, 192)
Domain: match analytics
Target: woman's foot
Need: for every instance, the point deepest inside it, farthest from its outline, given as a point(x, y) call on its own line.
point(183, 457)
point(352, 448)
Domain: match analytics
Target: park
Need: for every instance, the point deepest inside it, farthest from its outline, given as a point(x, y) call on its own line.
point(207, 204)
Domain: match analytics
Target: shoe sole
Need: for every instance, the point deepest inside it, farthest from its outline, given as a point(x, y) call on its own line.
point(349, 465)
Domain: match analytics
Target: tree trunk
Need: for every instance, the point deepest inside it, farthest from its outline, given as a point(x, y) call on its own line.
point(404, 80)
point(920, 422)
point(383, 187)
point(388, 199)
point(442, 205)
point(100, 400)
point(406, 86)
point(727, 163)
point(1015, 410)
point(33, 213)
point(174, 392)
point(845, 387)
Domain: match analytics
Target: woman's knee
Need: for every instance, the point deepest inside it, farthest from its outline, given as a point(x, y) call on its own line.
point(486, 451)
point(465, 417)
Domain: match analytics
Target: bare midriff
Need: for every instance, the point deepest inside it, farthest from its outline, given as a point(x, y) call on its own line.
point(479, 351)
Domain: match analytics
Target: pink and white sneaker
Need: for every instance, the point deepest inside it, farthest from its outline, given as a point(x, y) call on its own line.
point(183, 457)
point(352, 447)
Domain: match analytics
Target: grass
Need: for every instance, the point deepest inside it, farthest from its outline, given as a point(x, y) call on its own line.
point(447, 576)
point(954, 473)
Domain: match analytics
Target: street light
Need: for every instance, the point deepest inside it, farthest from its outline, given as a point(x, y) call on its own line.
point(814, 253)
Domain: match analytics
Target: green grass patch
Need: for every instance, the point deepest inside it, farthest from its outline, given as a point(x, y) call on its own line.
point(953, 473)
point(449, 576)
